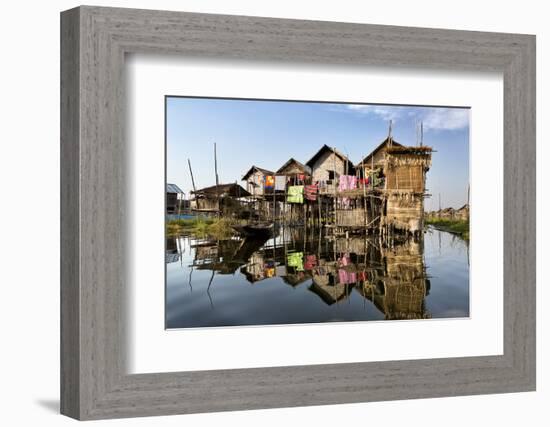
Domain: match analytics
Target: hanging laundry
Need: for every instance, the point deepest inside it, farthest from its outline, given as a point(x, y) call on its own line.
point(269, 182)
point(280, 182)
point(296, 260)
point(280, 270)
point(344, 260)
point(376, 180)
point(364, 182)
point(295, 194)
point(342, 276)
point(311, 262)
point(310, 192)
point(347, 182)
point(269, 272)
point(346, 277)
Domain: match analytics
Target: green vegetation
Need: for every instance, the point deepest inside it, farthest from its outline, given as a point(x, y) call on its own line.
point(455, 226)
point(219, 228)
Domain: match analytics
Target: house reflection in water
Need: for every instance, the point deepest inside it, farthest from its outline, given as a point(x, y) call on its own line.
point(391, 277)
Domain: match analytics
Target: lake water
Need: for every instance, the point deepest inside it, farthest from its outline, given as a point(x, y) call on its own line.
point(305, 277)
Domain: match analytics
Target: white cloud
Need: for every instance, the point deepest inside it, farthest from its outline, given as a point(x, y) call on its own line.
point(385, 113)
point(434, 118)
point(446, 118)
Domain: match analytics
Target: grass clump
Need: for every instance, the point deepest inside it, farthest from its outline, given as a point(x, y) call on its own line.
point(218, 228)
point(455, 226)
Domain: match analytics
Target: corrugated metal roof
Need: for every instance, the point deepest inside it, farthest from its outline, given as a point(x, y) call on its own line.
point(173, 188)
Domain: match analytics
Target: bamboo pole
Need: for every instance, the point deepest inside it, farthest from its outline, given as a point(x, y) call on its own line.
point(193, 182)
point(334, 183)
point(319, 208)
point(273, 198)
point(284, 206)
point(217, 181)
point(364, 195)
point(191, 172)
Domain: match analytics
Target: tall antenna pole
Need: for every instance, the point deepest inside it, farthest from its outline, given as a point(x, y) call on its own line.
point(389, 133)
point(421, 133)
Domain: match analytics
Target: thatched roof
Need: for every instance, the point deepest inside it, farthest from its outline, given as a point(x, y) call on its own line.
point(293, 162)
point(383, 144)
point(326, 149)
point(254, 169)
point(409, 150)
point(223, 190)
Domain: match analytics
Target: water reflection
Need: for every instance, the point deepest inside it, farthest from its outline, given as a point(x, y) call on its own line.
point(296, 277)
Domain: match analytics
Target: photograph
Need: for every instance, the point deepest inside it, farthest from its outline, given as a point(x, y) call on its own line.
point(284, 212)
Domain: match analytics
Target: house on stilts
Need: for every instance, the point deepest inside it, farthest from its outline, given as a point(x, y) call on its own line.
point(227, 199)
point(384, 192)
point(294, 171)
point(255, 180)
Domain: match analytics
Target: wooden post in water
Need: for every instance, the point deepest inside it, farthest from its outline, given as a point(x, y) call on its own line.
point(284, 206)
point(274, 198)
point(334, 183)
point(364, 195)
point(319, 207)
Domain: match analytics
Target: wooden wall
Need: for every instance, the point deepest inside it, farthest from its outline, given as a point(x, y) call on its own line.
point(171, 202)
point(258, 189)
point(328, 161)
point(292, 169)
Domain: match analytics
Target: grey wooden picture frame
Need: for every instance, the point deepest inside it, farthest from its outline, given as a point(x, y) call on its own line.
point(94, 381)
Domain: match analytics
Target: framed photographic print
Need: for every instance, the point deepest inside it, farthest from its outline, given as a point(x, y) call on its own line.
point(285, 213)
point(328, 237)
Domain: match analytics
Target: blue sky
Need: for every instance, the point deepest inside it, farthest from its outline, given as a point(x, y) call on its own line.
point(268, 133)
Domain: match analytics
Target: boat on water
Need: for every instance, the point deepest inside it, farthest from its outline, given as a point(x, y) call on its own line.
point(256, 229)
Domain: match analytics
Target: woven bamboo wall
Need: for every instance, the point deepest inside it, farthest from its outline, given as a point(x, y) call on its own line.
point(405, 211)
point(350, 218)
point(405, 177)
point(356, 245)
point(405, 286)
point(405, 300)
